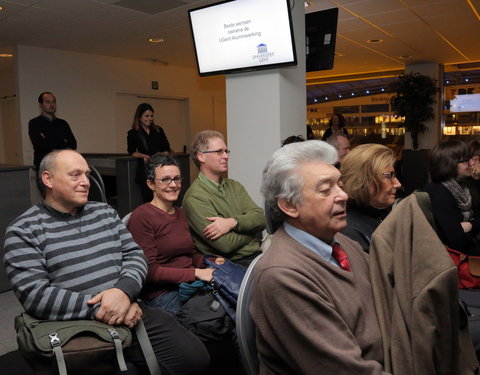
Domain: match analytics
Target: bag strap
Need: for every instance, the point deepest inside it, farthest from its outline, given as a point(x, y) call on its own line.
point(147, 349)
point(231, 312)
point(118, 349)
point(57, 350)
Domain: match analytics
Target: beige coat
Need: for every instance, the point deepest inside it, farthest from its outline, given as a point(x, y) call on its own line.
point(415, 291)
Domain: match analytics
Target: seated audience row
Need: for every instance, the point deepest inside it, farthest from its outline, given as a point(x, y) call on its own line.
point(301, 284)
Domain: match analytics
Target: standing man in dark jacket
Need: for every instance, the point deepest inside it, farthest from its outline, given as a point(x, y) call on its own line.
point(47, 132)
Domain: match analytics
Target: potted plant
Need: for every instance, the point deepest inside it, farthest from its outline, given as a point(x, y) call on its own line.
point(414, 96)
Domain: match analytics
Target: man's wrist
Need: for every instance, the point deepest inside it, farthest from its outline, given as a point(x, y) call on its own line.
point(235, 226)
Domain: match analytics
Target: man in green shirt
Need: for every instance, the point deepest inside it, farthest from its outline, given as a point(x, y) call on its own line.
point(224, 220)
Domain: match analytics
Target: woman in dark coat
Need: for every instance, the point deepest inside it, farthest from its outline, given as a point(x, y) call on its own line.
point(143, 140)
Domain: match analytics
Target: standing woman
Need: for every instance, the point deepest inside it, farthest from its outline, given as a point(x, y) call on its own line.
point(143, 140)
point(336, 125)
point(450, 163)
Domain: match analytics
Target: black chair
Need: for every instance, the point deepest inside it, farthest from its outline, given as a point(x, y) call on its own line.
point(245, 324)
point(272, 224)
point(96, 192)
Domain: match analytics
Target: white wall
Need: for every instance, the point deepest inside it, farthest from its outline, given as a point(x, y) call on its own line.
point(86, 87)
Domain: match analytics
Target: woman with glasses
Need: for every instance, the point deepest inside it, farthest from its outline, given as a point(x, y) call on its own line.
point(143, 140)
point(162, 231)
point(450, 163)
point(369, 179)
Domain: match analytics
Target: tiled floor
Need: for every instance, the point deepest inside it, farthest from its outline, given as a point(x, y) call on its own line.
point(9, 308)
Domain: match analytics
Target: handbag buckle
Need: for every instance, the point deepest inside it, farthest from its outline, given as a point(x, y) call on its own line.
point(54, 339)
point(113, 333)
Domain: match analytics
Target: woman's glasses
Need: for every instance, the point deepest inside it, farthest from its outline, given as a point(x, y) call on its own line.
point(169, 180)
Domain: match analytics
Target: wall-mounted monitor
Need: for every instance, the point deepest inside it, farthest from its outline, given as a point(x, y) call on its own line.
point(243, 35)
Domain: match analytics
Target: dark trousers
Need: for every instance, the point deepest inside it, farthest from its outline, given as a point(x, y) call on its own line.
point(179, 352)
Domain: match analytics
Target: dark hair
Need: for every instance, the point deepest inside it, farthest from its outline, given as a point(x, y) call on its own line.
point(141, 109)
point(474, 147)
point(40, 97)
point(158, 160)
point(341, 120)
point(292, 139)
point(444, 159)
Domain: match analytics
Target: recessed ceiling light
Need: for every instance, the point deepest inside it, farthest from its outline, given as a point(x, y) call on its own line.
point(1, 8)
point(156, 40)
point(6, 55)
point(405, 57)
point(374, 41)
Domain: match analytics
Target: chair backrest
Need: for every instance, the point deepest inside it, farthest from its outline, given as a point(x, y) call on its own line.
point(126, 218)
point(245, 324)
point(272, 224)
point(96, 174)
point(96, 192)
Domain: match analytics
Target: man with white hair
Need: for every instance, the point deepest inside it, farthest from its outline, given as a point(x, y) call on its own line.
point(312, 300)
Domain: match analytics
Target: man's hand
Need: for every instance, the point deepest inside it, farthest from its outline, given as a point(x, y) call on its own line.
point(134, 314)
point(114, 305)
point(219, 227)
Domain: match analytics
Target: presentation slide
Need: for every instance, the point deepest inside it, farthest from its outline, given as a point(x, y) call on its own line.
point(241, 34)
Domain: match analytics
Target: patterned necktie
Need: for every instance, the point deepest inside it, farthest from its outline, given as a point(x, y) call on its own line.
point(340, 256)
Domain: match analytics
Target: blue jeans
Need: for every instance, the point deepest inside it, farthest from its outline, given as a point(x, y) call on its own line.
point(169, 301)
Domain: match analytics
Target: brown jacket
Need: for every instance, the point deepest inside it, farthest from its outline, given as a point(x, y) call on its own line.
point(414, 285)
point(312, 317)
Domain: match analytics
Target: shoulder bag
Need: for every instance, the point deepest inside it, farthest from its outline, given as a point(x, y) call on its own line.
point(82, 346)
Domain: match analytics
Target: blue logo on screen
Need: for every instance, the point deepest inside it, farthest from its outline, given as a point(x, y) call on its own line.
point(262, 55)
point(262, 48)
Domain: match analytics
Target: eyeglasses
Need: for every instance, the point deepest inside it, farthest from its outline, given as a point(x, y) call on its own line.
point(169, 180)
point(465, 160)
point(218, 152)
point(390, 175)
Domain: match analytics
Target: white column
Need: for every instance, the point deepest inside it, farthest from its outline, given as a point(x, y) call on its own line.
point(263, 108)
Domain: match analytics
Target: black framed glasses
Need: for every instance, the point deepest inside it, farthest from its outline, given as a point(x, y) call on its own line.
point(218, 152)
point(390, 175)
point(169, 180)
point(465, 160)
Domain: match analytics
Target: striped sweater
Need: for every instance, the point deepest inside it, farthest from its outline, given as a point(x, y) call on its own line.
point(56, 262)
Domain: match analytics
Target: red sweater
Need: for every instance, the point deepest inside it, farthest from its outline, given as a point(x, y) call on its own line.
point(168, 246)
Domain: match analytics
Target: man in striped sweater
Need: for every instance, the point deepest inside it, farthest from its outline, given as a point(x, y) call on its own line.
point(67, 258)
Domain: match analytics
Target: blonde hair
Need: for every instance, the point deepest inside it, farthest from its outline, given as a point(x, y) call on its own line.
point(362, 169)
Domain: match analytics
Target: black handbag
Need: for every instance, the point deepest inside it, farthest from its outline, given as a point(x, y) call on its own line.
point(226, 282)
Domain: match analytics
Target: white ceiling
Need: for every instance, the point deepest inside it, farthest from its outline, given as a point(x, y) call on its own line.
point(446, 31)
